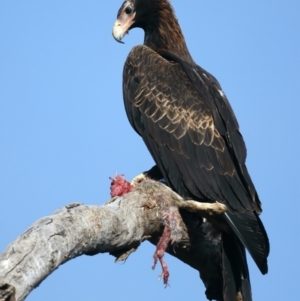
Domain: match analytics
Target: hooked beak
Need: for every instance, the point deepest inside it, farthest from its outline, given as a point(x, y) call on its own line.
point(121, 26)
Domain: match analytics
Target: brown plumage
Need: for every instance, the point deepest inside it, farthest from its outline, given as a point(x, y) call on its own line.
point(189, 127)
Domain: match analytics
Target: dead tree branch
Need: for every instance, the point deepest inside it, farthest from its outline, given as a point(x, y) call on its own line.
point(118, 227)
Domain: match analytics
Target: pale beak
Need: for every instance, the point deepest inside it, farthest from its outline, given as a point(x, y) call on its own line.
point(118, 32)
point(122, 26)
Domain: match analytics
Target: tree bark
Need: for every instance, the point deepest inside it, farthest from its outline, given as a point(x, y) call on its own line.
point(117, 227)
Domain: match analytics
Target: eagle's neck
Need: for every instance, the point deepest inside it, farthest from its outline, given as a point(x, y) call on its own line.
point(163, 34)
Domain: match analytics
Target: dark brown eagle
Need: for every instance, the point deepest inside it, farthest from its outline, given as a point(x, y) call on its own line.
point(190, 129)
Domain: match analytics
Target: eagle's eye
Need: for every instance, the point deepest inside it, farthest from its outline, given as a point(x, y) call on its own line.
point(128, 10)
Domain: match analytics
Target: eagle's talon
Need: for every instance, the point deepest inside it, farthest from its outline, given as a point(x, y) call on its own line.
point(138, 179)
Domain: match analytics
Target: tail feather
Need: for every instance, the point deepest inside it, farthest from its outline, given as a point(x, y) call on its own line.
point(229, 287)
point(246, 289)
point(251, 232)
point(236, 281)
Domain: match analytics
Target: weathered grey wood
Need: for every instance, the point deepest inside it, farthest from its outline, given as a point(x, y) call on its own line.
point(118, 227)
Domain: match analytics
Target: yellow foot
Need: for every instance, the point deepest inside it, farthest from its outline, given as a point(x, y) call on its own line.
point(138, 179)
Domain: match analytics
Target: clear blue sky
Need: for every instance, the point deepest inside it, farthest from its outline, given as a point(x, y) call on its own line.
point(63, 130)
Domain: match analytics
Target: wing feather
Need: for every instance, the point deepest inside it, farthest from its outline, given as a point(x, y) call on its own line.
point(180, 120)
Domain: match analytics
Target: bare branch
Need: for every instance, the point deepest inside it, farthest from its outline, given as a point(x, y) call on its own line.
point(118, 227)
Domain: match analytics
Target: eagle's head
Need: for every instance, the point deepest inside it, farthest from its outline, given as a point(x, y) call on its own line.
point(144, 14)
